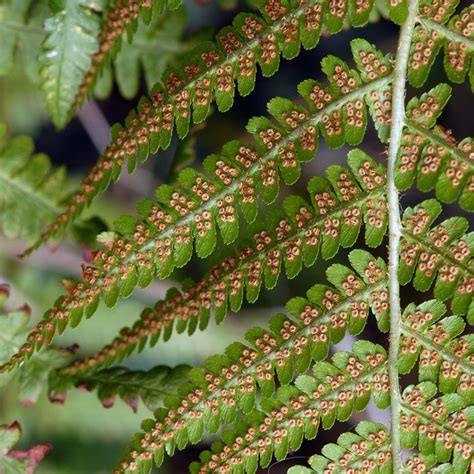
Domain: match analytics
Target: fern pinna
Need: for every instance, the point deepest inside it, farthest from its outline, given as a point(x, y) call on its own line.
point(266, 396)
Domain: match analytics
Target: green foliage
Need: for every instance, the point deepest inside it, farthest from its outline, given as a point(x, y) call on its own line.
point(228, 384)
point(154, 48)
point(438, 162)
point(31, 191)
point(16, 12)
point(293, 237)
point(428, 422)
point(326, 314)
point(265, 394)
point(438, 343)
point(120, 19)
point(335, 389)
point(163, 238)
point(369, 445)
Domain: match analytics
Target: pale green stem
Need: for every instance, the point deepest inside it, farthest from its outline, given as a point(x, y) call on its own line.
point(398, 116)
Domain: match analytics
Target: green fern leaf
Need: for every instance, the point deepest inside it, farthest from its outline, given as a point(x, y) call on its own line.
point(67, 53)
point(335, 390)
point(330, 317)
point(431, 424)
point(163, 38)
point(163, 238)
point(442, 255)
point(120, 19)
point(438, 162)
point(440, 427)
point(13, 13)
point(151, 386)
point(31, 192)
point(367, 450)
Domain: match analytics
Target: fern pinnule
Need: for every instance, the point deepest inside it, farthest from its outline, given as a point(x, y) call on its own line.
point(33, 375)
point(444, 354)
point(290, 346)
point(439, 426)
point(432, 155)
point(438, 162)
point(437, 28)
point(293, 237)
point(20, 14)
point(19, 460)
point(291, 342)
point(66, 53)
point(207, 74)
point(442, 255)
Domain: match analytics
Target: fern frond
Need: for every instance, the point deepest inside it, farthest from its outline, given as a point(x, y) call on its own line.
point(438, 28)
point(442, 255)
point(151, 386)
point(120, 18)
point(163, 239)
point(294, 236)
point(433, 155)
point(335, 390)
point(209, 74)
point(31, 192)
point(367, 450)
point(445, 355)
point(71, 40)
point(426, 464)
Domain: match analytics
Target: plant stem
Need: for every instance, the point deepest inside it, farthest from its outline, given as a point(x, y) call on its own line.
point(396, 129)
